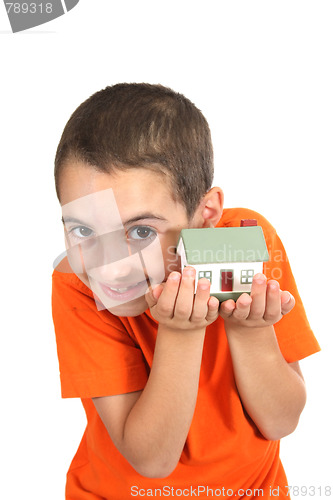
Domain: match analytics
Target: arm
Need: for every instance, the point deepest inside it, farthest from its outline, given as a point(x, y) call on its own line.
point(272, 391)
point(150, 427)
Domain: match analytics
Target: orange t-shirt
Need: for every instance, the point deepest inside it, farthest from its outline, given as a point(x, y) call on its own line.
point(101, 355)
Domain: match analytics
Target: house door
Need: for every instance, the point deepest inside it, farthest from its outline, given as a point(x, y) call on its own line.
point(227, 280)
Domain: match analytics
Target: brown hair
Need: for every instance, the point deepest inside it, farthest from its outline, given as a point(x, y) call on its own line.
point(142, 125)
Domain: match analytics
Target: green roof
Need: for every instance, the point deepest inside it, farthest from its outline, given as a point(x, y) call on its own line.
point(224, 244)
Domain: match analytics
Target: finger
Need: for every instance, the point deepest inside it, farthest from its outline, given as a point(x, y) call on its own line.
point(287, 302)
point(156, 291)
point(152, 295)
point(166, 301)
point(227, 308)
point(258, 295)
point(184, 303)
point(273, 302)
point(243, 306)
point(200, 306)
point(213, 309)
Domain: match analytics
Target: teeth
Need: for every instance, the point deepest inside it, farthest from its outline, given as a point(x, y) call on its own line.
point(122, 290)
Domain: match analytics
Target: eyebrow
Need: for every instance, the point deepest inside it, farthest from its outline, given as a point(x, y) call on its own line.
point(72, 219)
point(144, 216)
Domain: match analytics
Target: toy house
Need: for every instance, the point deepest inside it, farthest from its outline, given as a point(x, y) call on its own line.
point(228, 256)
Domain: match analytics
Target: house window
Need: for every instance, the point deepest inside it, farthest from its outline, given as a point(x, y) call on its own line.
point(247, 276)
point(205, 274)
point(227, 280)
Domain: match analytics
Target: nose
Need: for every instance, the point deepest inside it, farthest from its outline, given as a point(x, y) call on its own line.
point(109, 260)
point(113, 273)
point(105, 249)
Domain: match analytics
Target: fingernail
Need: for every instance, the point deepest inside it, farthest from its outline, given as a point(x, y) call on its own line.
point(213, 302)
point(260, 279)
point(174, 276)
point(155, 291)
point(245, 300)
point(204, 284)
point(189, 271)
point(204, 287)
point(288, 298)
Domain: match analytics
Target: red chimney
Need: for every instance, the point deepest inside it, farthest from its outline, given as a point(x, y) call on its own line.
point(248, 222)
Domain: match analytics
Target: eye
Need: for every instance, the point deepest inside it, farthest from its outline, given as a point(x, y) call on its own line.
point(141, 233)
point(81, 232)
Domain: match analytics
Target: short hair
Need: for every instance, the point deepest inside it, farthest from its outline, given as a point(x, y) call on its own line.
point(132, 125)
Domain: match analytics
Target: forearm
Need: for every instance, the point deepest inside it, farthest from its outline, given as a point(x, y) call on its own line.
point(157, 426)
point(150, 427)
point(272, 392)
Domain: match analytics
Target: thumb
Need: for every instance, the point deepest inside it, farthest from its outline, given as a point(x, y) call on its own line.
point(153, 294)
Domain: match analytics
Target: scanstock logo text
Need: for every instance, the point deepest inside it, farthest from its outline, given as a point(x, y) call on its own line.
point(25, 15)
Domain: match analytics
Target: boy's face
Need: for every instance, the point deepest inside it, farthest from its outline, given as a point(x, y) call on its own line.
point(121, 232)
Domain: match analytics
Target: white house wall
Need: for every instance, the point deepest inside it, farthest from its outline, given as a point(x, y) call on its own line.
point(181, 252)
point(236, 267)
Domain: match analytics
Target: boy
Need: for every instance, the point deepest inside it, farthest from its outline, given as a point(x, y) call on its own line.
point(183, 396)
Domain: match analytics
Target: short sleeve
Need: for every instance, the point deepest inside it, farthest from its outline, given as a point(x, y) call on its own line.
point(97, 355)
point(294, 334)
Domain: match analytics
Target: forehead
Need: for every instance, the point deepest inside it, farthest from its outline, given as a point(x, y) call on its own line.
point(136, 186)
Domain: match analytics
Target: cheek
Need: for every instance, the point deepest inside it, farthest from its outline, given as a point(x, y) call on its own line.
point(170, 257)
point(171, 260)
point(153, 262)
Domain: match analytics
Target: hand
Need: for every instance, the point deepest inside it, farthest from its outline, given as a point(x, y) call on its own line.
point(264, 307)
point(175, 305)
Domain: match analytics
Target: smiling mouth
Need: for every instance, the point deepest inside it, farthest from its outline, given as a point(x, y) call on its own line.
point(124, 294)
point(123, 290)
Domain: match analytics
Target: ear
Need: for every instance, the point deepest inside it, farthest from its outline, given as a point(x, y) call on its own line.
point(210, 209)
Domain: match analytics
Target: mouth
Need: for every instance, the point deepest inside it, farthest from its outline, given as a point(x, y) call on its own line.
point(122, 293)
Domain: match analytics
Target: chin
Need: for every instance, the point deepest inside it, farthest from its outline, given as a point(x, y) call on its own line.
point(130, 309)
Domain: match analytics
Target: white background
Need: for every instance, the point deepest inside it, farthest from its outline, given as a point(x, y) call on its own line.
point(261, 72)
